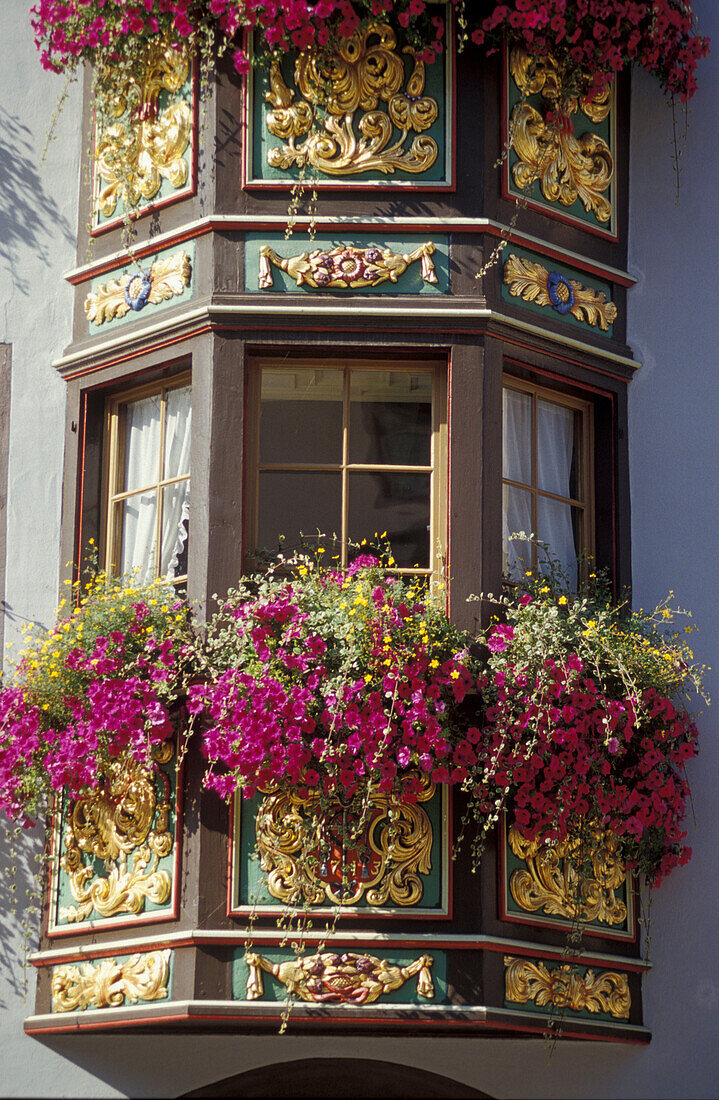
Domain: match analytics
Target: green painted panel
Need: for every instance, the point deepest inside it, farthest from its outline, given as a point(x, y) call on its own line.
point(553, 267)
point(595, 982)
point(104, 289)
point(410, 282)
point(435, 88)
point(84, 984)
point(275, 990)
point(251, 881)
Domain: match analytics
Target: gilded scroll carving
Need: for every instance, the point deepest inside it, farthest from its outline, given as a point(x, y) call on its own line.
point(145, 146)
point(366, 70)
point(346, 267)
point(552, 881)
point(532, 282)
point(565, 987)
point(111, 984)
point(165, 279)
point(124, 824)
point(349, 978)
point(567, 167)
point(381, 861)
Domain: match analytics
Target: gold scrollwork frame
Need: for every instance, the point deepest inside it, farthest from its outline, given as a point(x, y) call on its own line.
point(444, 840)
point(251, 91)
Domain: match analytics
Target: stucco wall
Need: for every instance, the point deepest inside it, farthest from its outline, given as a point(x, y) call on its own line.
point(674, 405)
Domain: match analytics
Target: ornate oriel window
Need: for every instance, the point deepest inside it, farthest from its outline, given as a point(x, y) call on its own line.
point(148, 481)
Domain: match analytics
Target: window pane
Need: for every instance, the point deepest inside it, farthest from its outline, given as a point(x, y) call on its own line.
point(555, 448)
point(138, 523)
point(556, 526)
point(390, 417)
point(398, 504)
point(296, 504)
point(516, 517)
point(175, 520)
point(142, 443)
point(517, 437)
point(178, 417)
point(301, 416)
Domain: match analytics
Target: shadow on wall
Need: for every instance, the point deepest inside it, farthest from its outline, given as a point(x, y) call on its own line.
point(29, 217)
point(20, 862)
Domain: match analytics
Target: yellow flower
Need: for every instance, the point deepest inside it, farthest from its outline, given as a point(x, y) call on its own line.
point(562, 600)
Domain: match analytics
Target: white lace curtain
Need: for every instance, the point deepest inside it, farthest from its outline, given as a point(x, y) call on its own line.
point(148, 467)
point(555, 451)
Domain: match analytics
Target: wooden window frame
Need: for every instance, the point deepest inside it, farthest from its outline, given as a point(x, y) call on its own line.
point(437, 468)
point(585, 410)
point(114, 463)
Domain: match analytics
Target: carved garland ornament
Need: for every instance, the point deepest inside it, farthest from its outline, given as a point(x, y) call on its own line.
point(385, 862)
point(122, 818)
point(534, 283)
point(552, 882)
point(145, 146)
point(566, 167)
point(339, 979)
point(365, 70)
point(346, 267)
point(167, 278)
point(110, 984)
point(564, 987)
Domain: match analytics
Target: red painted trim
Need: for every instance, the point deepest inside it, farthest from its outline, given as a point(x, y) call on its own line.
point(136, 353)
point(188, 191)
point(509, 196)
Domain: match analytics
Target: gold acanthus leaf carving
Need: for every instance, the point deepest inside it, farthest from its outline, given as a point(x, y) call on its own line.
point(554, 883)
point(564, 987)
point(146, 146)
point(346, 267)
point(165, 279)
point(566, 167)
point(348, 978)
point(381, 861)
point(120, 818)
point(366, 70)
point(534, 283)
point(110, 983)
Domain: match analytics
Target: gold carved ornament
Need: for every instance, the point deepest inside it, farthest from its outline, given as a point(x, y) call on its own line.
point(554, 883)
point(165, 279)
point(145, 145)
point(339, 979)
point(110, 984)
point(120, 818)
point(534, 283)
point(365, 70)
point(384, 862)
point(566, 167)
point(346, 267)
point(564, 987)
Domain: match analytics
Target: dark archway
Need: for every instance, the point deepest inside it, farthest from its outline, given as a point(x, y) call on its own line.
point(339, 1079)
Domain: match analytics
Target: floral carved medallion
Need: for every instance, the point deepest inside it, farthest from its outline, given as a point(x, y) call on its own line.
point(359, 113)
point(566, 987)
point(350, 860)
point(111, 983)
point(566, 167)
point(166, 278)
point(532, 282)
point(346, 267)
point(146, 145)
point(330, 978)
point(123, 825)
point(551, 881)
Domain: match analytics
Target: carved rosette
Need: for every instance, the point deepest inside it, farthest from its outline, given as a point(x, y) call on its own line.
point(145, 145)
point(553, 882)
point(532, 282)
point(338, 127)
point(348, 978)
point(566, 167)
point(565, 987)
point(111, 983)
point(346, 267)
point(125, 823)
point(314, 859)
point(166, 278)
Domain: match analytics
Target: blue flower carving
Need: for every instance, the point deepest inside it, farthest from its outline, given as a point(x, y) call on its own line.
point(560, 291)
point(138, 290)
